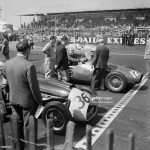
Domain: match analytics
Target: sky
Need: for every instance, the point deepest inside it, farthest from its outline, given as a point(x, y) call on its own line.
point(11, 7)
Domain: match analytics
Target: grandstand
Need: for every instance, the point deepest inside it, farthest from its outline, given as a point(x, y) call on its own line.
point(106, 15)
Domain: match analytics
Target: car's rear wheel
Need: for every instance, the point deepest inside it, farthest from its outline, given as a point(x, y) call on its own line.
point(59, 114)
point(115, 82)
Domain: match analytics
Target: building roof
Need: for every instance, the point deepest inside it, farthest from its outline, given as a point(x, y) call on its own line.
point(85, 6)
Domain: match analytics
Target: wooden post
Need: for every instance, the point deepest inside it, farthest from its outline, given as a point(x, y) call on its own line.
point(2, 137)
point(15, 132)
point(131, 141)
point(32, 133)
point(109, 140)
point(69, 136)
point(89, 136)
point(50, 135)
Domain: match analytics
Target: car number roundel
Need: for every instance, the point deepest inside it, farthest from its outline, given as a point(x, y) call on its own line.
point(134, 73)
point(79, 104)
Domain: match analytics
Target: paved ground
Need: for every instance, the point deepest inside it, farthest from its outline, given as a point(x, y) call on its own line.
point(134, 117)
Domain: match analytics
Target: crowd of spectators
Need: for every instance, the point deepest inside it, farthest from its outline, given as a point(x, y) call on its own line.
point(101, 24)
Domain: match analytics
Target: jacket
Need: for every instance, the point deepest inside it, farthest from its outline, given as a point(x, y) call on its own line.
point(23, 84)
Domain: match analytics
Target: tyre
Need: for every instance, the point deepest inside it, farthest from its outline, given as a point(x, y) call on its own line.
point(129, 67)
point(60, 115)
point(115, 82)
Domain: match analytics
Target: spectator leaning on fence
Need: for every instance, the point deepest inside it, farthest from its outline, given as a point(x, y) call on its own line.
point(147, 55)
point(25, 95)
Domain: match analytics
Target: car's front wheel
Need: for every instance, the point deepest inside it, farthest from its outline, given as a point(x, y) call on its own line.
point(115, 82)
point(59, 114)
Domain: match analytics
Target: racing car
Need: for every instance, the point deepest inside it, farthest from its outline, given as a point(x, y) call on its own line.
point(117, 77)
point(63, 101)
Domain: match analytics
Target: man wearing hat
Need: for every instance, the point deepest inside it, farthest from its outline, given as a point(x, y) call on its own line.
point(99, 63)
point(50, 58)
point(25, 95)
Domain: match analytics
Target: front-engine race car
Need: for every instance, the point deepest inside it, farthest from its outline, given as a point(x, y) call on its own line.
point(63, 101)
point(117, 77)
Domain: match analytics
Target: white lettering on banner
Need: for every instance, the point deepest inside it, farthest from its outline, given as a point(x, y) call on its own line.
point(85, 40)
point(90, 40)
point(116, 40)
point(136, 41)
point(142, 41)
point(94, 40)
point(120, 40)
point(109, 40)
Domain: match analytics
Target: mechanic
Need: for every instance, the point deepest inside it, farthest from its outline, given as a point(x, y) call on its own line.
point(74, 59)
point(62, 66)
point(25, 95)
point(99, 63)
point(5, 46)
point(50, 58)
point(147, 55)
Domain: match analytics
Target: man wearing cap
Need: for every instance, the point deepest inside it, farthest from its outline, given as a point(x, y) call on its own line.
point(62, 60)
point(50, 58)
point(25, 95)
point(99, 62)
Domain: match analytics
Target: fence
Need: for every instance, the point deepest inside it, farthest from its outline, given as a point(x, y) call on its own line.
point(68, 145)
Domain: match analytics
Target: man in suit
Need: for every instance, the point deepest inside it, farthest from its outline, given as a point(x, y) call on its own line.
point(99, 63)
point(24, 89)
point(62, 60)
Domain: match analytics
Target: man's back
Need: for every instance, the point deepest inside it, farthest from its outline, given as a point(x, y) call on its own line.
point(101, 57)
point(18, 73)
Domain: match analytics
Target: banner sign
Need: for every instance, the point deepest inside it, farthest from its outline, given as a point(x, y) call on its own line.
point(108, 40)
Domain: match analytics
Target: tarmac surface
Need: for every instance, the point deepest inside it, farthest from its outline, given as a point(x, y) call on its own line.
point(133, 116)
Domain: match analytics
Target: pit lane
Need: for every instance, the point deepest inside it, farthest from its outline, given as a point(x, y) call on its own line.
point(133, 108)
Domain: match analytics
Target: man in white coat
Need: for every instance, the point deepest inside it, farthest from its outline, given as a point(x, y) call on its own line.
point(50, 58)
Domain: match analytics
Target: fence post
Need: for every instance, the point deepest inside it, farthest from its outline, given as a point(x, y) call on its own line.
point(131, 141)
point(32, 133)
point(109, 139)
point(2, 137)
point(15, 132)
point(50, 135)
point(89, 136)
point(69, 136)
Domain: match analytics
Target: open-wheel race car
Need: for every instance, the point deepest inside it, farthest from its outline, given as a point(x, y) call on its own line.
point(63, 101)
point(117, 77)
